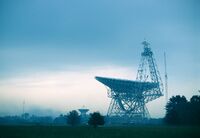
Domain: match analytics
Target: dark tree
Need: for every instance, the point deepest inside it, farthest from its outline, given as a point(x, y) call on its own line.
point(176, 112)
point(195, 99)
point(96, 119)
point(195, 110)
point(73, 118)
point(180, 111)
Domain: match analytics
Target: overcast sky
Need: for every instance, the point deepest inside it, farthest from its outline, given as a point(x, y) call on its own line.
point(50, 50)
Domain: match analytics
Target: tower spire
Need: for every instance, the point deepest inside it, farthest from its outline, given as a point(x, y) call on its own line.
point(145, 43)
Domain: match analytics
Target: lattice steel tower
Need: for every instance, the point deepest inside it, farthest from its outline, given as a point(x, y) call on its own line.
point(148, 70)
point(129, 97)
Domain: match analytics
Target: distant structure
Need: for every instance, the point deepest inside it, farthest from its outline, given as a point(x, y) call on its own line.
point(129, 98)
point(166, 79)
point(23, 107)
point(83, 115)
point(83, 112)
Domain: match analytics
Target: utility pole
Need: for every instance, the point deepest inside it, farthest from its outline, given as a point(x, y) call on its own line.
point(23, 107)
point(166, 79)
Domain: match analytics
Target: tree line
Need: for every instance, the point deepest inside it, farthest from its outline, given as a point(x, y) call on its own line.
point(180, 111)
point(95, 119)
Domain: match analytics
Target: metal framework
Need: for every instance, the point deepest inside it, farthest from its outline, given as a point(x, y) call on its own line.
point(129, 98)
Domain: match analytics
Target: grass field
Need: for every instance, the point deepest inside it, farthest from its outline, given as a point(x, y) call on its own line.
point(101, 132)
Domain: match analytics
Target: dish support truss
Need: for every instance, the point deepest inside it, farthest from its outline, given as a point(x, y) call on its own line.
point(132, 106)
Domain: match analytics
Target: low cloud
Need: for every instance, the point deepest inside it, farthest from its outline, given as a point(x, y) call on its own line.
point(60, 90)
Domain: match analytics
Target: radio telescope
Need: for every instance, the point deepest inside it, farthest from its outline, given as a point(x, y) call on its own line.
point(129, 97)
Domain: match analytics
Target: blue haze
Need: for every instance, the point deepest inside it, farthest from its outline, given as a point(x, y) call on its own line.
point(53, 35)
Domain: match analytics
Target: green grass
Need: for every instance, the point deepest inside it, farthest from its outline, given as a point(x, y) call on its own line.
point(101, 132)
